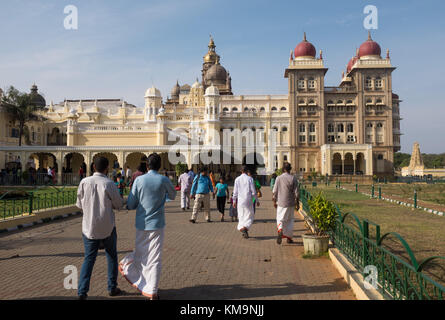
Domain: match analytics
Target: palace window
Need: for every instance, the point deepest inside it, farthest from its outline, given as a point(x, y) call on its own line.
point(350, 127)
point(331, 138)
point(283, 109)
point(15, 133)
point(340, 127)
point(379, 125)
point(369, 125)
point(378, 83)
point(246, 109)
point(301, 83)
point(351, 139)
point(368, 83)
point(380, 157)
point(235, 109)
point(284, 129)
point(262, 109)
point(302, 138)
point(302, 127)
point(312, 127)
point(311, 83)
point(275, 129)
point(225, 109)
point(330, 127)
point(274, 109)
point(312, 138)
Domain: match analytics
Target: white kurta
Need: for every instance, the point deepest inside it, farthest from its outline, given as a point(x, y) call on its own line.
point(244, 193)
point(285, 221)
point(142, 267)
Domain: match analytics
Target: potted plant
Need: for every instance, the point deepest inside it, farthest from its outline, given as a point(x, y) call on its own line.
point(322, 217)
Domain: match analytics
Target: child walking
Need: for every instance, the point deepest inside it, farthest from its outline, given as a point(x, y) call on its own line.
point(233, 213)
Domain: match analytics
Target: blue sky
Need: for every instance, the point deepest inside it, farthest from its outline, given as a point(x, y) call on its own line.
point(123, 47)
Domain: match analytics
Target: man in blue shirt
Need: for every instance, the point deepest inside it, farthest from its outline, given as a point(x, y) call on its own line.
point(142, 267)
point(201, 188)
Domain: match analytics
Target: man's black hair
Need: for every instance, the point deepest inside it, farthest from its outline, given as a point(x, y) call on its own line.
point(287, 167)
point(101, 164)
point(154, 161)
point(142, 167)
point(204, 169)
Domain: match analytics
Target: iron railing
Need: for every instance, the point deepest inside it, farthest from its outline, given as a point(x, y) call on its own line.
point(34, 201)
point(397, 277)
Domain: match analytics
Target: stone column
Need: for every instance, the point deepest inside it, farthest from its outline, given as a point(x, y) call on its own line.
point(59, 161)
point(342, 164)
point(121, 159)
point(354, 157)
point(87, 158)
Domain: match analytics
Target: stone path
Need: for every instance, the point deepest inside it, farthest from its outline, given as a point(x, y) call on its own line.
point(201, 261)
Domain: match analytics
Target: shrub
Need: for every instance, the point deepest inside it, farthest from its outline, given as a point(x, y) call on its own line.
point(323, 214)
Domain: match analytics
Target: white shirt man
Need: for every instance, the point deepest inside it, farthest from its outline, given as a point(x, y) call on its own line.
point(97, 196)
point(244, 194)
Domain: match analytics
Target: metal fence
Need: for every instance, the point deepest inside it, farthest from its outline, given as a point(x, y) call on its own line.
point(38, 179)
point(31, 201)
point(398, 278)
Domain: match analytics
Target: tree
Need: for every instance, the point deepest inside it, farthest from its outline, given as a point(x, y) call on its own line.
point(23, 107)
point(180, 168)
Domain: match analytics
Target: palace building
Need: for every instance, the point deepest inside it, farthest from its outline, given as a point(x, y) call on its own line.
point(351, 129)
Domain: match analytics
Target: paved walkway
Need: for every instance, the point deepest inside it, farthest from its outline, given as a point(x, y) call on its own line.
point(201, 261)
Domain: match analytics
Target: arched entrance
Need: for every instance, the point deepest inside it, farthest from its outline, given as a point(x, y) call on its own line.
point(134, 159)
point(112, 162)
point(348, 164)
point(41, 161)
point(337, 164)
point(360, 164)
point(71, 173)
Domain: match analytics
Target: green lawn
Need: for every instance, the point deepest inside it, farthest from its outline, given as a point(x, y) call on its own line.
point(423, 231)
point(43, 197)
point(433, 194)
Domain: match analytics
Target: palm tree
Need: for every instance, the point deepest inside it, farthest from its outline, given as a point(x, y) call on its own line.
point(23, 107)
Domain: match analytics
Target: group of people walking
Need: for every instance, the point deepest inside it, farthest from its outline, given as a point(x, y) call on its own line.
point(98, 196)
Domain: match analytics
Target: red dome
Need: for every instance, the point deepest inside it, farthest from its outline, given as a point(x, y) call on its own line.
point(369, 48)
point(304, 49)
point(351, 64)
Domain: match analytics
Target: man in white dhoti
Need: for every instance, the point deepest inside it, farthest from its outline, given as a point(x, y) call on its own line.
point(286, 200)
point(142, 267)
point(244, 198)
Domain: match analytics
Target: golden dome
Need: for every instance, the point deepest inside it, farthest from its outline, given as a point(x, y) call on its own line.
point(211, 57)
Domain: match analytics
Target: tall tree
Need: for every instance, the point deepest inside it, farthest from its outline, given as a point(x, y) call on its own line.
point(23, 107)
